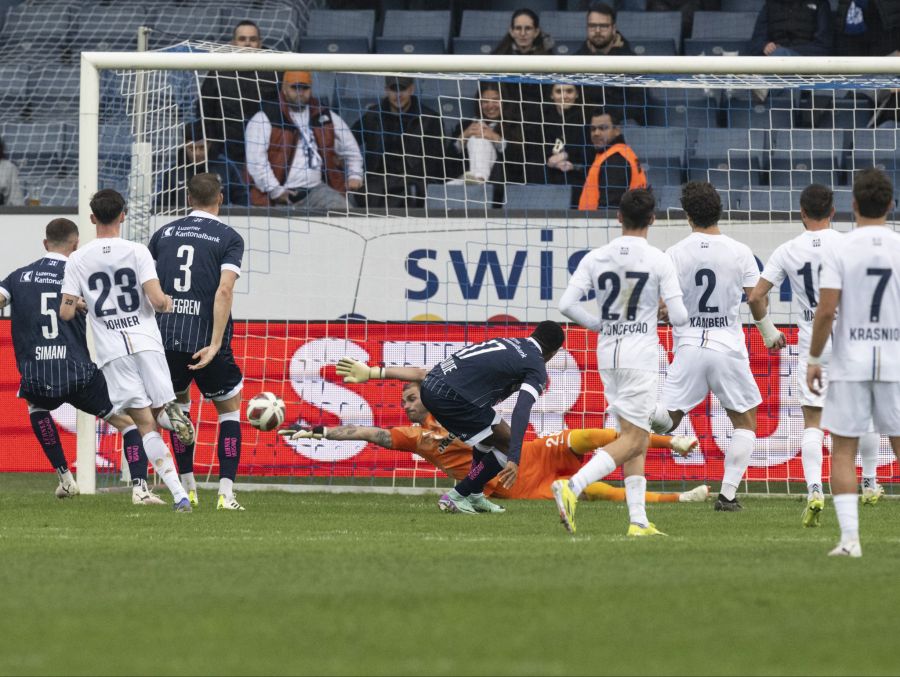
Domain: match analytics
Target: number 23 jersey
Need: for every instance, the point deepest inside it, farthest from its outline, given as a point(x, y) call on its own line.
point(109, 274)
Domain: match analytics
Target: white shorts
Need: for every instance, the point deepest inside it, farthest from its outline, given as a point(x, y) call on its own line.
point(807, 397)
point(851, 407)
point(631, 394)
point(695, 371)
point(139, 380)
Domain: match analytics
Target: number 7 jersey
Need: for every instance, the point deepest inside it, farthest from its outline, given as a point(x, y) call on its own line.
point(109, 273)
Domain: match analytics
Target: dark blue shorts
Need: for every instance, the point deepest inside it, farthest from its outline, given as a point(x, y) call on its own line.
point(93, 398)
point(464, 420)
point(218, 380)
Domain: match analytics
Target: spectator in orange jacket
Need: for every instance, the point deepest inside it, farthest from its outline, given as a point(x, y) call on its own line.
point(615, 168)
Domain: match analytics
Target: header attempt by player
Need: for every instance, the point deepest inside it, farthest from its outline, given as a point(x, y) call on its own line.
point(629, 277)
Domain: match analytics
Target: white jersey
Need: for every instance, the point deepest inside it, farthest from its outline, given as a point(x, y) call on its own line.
point(628, 276)
point(109, 274)
point(866, 335)
point(800, 261)
point(713, 271)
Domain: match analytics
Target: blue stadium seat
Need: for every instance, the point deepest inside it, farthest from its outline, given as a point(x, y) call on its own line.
point(58, 100)
point(650, 26)
point(336, 23)
point(356, 92)
point(507, 6)
point(409, 25)
point(410, 46)
point(474, 45)
point(484, 24)
point(565, 25)
point(712, 47)
point(743, 6)
point(40, 147)
point(782, 201)
point(175, 22)
point(800, 157)
point(567, 47)
point(668, 198)
point(473, 198)
point(25, 28)
point(109, 27)
point(13, 98)
point(314, 45)
point(673, 107)
point(278, 23)
point(723, 25)
point(661, 151)
point(876, 148)
point(726, 157)
point(631, 5)
point(647, 47)
point(536, 197)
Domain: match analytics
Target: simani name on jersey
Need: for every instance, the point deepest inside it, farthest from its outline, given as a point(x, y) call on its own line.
point(50, 352)
point(186, 306)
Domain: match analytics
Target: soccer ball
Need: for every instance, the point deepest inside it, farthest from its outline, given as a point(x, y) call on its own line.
point(265, 411)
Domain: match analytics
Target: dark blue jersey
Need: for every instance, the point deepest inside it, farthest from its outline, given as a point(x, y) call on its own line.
point(487, 373)
point(52, 355)
point(190, 255)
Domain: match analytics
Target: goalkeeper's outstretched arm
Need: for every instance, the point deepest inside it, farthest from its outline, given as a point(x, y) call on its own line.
point(355, 371)
point(379, 436)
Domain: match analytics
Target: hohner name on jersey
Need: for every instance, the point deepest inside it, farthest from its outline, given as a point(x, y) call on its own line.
point(875, 333)
point(122, 322)
point(186, 307)
point(624, 329)
point(50, 352)
point(709, 322)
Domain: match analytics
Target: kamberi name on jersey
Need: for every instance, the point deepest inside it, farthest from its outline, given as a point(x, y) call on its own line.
point(875, 333)
point(186, 306)
point(189, 231)
point(50, 352)
point(710, 322)
point(624, 329)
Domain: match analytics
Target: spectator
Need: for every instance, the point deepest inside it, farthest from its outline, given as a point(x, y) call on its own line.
point(403, 145)
point(604, 39)
point(792, 28)
point(524, 37)
point(198, 155)
point(10, 189)
point(868, 28)
point(228, 99)
point(615, 168)
point(556, 142)
point(295, 145)
point(490, 143)
point(687, 9)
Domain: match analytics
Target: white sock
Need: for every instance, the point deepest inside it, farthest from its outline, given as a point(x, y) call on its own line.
point(163, 420)
point(162, 463)
point(847, 508)
point(868, 458)
point(226, 487)
point(660, 421)
point(737, 459)
point(635, 496)
point(811, 456)
point(189, 481)
point(601, 465)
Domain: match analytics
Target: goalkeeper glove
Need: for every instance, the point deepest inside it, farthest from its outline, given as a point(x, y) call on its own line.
point(299, 432)
point(355, 371)
point(770, 334)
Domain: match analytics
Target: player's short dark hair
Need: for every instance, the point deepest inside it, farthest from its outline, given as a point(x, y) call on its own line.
point(60, 231)
point(245, 22)
point(637, 208)
point(550, 335)
point(873, 192)
point(107, 205)
point(817, 201)
point(701, 202)
point(602, 8)
point(204, 189)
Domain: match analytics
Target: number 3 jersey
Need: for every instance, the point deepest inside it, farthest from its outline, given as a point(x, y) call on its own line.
point(866, 336)
point(109, 273)
point(51, 355)
point(713, 271)
point(191, 254)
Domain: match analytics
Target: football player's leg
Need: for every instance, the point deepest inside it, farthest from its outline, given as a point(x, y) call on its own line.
point(228, 449)
point(868, 457)
point(47, 435)
point(811, 448)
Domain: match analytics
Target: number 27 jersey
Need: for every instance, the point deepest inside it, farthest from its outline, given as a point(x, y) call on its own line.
point(109, 274)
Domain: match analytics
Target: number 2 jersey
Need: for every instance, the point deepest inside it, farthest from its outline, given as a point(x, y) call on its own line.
point(190, 255)
point(51, 355)
point(109, 273)
point(800, 261)
point(713, 271)
point(866, 335)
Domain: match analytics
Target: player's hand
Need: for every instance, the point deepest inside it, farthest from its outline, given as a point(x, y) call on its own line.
point(355, 371)
point(81, 306)
point(662, 313)
point(508, 475)
point(776, 343)
point(203, 356)
point(299, 432)
point(814, 378)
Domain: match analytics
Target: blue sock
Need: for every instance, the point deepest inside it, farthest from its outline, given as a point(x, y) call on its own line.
point(45, 430)
point(135, 454)
point(184, 454)
point(484, 468)
point(229, 450)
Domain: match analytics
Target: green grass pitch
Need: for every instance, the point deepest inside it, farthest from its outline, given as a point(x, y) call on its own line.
point(369, 584)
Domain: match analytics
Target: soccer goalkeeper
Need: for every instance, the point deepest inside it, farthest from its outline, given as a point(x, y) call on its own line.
point(544, 459)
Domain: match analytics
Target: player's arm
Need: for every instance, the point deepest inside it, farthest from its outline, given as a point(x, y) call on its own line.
point(570, 303)
point(4, 297)
point(68, 306)
point(379, 436)
point(161, 302)
point(823, 321)
point(758, 300)
point(355, 371)
point(221, 312)
point(518, 425)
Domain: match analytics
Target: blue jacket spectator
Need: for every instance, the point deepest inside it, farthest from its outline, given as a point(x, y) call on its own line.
point(792, 28)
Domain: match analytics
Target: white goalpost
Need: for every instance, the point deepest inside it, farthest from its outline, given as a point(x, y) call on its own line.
point(408, 285)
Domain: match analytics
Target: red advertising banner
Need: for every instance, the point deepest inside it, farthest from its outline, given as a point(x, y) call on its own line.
point(295, 361)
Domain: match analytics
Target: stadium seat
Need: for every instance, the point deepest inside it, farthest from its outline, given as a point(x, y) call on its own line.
point(336, 23)
point(484, 24)
point(473, 198)
point(667, 198)
point(355, 91)
point(723, 25)
point(508, 6)
point(13, 81)
point(25, 28)
point(631, 5)
point(644, 47)
point(876, 148)
point(713, 47)
point(314, 45)
point(743, 6)
point(538, 197)
point(59, 100)
point(636, 26)
point(565, 25)
point(109, 27)
point(40, 147)
point(673, 107)
point(410, 46)
point(416, 25)
point(567, 47)
point(800, 157)
point(474, 45)
point(726, 157)
point(661, 151)
point(175, 22)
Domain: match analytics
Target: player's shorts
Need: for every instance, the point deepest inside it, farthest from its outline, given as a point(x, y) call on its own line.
point(220, 380)
point(464, 420)
point(139, 380)
point(92, 399)
point(695, 371)
point(538, 469)
point(807, 397)
point(631, 394)
point(851, 407)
